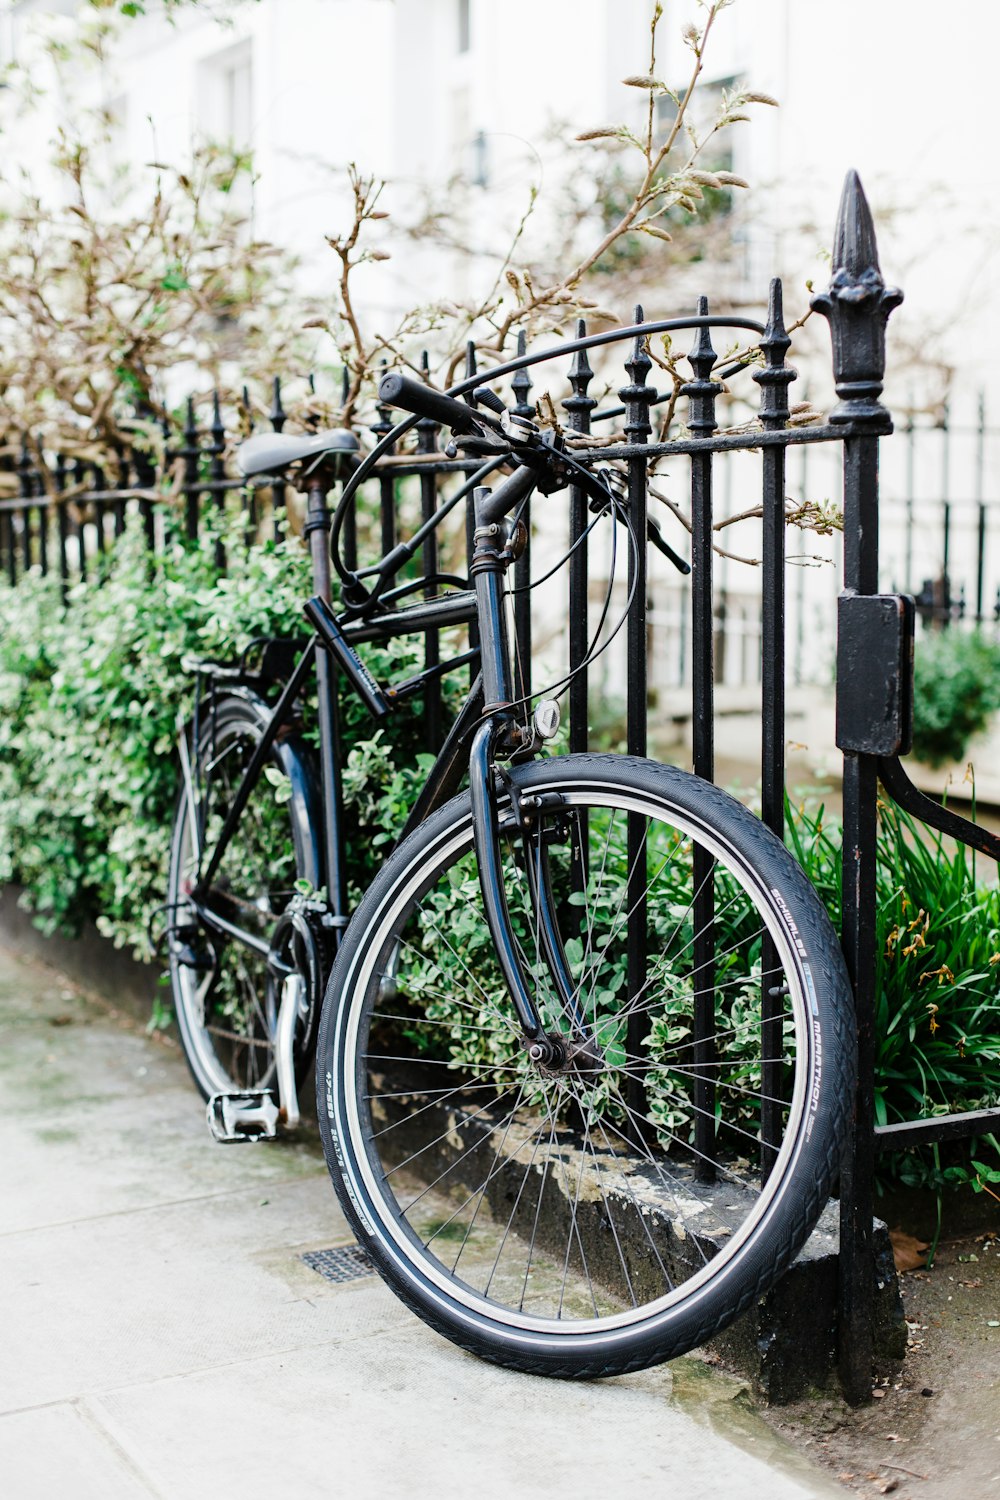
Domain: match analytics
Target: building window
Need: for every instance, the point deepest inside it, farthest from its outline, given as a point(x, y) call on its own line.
point(225, 96)
point(705, 107)
point(464, 26)
point(479, 160)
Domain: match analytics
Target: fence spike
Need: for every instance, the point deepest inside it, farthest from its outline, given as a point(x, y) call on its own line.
point(384, 423)
point(775, 378)
point(426, 428)
point(278, 415)
point(702, 390)
point(521, 382)
point(857, 305)
point(638, 396)
point(471, 368)
point(217, 449)
point(25, 467)
point(580, 405)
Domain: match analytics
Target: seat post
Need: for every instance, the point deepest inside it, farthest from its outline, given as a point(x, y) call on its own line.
point(317, 533)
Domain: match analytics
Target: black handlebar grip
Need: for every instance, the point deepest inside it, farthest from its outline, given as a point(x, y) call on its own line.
point(424, 401)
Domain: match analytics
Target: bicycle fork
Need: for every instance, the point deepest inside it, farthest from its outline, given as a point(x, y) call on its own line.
point(500, 733)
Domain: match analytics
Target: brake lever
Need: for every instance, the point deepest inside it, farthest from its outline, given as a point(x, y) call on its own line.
point(661, 544)
point(531, 445)
point(653, 532)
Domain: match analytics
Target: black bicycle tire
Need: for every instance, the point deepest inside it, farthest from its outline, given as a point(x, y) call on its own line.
point(785, 1228)
point(226, 711)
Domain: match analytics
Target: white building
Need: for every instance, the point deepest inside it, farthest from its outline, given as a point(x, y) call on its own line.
point(424, 92)
point(420, 91)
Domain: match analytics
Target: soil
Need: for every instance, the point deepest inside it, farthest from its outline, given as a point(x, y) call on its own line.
point(933, 1433)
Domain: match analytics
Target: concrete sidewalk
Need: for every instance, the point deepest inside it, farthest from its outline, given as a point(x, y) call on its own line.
point(162, 1335)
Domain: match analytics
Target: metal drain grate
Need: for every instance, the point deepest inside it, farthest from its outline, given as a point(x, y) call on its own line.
point(345, 1263)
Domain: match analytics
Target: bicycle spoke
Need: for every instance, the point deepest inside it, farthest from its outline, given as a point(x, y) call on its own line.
point(478, 1191)
point(517, 1202)
point(443, 1136)
point(489, 1176)
point(607, 1206)
point(538, 1207)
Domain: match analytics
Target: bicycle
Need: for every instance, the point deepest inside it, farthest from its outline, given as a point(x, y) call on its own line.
point(539, 1151)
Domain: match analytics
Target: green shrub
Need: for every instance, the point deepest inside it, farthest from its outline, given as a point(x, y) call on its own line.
point(956, 689)
point(90, 696)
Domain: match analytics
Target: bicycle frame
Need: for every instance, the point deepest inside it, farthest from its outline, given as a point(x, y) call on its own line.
point(489, 705)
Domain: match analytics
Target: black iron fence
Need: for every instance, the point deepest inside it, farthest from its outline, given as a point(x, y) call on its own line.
point(939, 482)
point(69, 520)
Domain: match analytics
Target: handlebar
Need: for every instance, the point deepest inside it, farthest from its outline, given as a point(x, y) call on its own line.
point(424, 401)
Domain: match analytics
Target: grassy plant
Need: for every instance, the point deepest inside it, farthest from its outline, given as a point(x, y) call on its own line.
point(937, 1019)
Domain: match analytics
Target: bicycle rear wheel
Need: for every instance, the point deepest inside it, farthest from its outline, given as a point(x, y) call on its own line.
point(577, 1220)
point(226, 994)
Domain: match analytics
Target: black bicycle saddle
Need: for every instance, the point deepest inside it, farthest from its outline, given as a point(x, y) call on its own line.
point(270, 452)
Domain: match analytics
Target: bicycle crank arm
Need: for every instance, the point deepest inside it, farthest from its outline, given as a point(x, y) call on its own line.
point(292, 994)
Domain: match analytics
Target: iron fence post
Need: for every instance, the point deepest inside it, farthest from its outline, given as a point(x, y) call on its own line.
point(427, 432)
point(857, 306)
point(579, 406)
point(638, 398)
point(774, 380)
point(24, 468)
point(523, 407)
point(191, 464)
point(702, 392)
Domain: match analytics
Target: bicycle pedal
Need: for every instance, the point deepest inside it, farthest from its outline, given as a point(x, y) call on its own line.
point(250, 1116)
point(190, 957)
point(188, 951)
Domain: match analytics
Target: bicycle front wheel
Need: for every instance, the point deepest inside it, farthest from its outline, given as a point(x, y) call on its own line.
point(620, 1205)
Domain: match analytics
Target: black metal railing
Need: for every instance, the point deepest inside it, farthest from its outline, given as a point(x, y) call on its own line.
point(72, 515)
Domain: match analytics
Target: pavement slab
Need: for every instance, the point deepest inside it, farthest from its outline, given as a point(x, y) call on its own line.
point(164, 1337)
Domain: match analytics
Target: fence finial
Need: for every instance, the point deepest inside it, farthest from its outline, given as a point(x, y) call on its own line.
point(637, 395)
point(278, 414)
point(26, 468)
point(776, 376)
point(857, 305)
point(702, 392)
point(521, 382)
point(427, 427)
point(580, 405)
point(384, 424)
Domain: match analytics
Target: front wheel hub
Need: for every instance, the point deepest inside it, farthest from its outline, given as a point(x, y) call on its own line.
point(559, 1056)
point(547, 1053)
